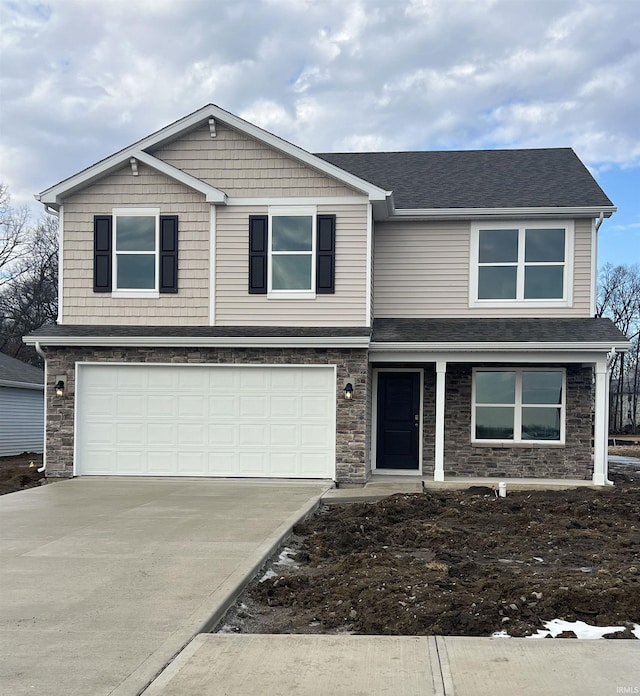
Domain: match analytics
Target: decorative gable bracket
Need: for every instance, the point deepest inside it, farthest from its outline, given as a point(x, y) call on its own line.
point(134, 166)
point(212, 127)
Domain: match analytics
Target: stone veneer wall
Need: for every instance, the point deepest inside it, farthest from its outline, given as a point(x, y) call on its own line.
point(353, 417)
point(573, 460)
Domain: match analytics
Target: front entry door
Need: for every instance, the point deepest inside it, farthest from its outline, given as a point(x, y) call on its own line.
point(398, 420)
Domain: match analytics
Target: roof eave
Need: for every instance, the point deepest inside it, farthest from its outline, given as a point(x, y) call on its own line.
point(478, 213)
point(203, 341)
point(511, 346)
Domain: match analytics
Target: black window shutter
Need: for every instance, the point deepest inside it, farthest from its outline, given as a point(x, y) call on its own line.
point(102, 253)
point(258, 233)
point(326, 254)
point(168, 253)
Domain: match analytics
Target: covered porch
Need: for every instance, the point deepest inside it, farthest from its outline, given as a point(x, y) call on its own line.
point(516, 399)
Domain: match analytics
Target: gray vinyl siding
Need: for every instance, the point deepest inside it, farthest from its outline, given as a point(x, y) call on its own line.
point(190, 306)
point(422, 270)
point(21, 421)
point(234, 305)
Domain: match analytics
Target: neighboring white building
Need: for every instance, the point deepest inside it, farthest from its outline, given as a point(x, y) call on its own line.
point(21, 407)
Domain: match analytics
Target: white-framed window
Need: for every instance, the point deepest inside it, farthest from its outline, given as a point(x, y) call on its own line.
point(518, 405)
point(135, 250)
point(292, 249)
point(521, 264)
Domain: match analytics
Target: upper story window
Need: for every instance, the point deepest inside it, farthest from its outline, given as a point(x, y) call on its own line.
point(521, 264)
point(292, 253)
point(292, 249)
point(135, 253)
point(136, 233)
point(518, 405)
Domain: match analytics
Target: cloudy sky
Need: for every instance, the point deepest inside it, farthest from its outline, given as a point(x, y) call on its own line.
point(80, 79)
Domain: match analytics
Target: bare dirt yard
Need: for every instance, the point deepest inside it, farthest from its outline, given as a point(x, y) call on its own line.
point(16, 473)
point(459, 563)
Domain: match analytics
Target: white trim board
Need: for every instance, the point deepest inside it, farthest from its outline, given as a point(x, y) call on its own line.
point(204, 341)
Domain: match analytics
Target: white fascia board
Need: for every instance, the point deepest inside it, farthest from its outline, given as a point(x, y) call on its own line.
point(498, 357)
point(298, 201)
point(515, 346)
point(204, 341)
point(212, 194)
point(475, 213)
point(53, 196)
point(21, 385)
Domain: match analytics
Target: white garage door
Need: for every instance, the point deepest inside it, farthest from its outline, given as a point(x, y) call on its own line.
point(205, 420)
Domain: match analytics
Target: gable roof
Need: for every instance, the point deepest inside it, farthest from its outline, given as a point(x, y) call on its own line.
point(14, 373)
point(436, 184)
point(478, 179)
point(54, 195)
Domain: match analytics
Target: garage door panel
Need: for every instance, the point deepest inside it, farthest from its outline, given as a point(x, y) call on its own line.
point(223, 405)
point(213, 420)
point(162, 463)
point(253, 435)
point(322, 380)
point(161, 406)
point(253, 406)
point(284, 435)
point(192, 406)
point(255, 378)
point(223, 435)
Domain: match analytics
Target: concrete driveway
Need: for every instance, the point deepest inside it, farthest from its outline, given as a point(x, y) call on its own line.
point(103, 581)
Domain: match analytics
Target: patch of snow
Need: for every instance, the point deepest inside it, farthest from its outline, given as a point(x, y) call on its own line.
point(582, 630)
point(267, 575)
point(228, 628)
point(285, 557)
point(500, 634)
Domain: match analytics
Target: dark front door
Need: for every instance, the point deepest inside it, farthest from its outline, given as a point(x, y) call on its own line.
point(398, 420)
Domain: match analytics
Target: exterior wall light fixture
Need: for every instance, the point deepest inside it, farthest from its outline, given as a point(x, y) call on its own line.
point(348, 391)
point(59, 388)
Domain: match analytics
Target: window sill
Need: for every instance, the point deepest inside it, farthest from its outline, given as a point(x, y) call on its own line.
point(291, 295)
point(508, 444)
point(518, 304)
point(135, 294)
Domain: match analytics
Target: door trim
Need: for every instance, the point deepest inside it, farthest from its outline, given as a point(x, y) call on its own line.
point(374, 423)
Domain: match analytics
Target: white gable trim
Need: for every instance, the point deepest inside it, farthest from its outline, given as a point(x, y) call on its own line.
point(53, 196)
point(212, 194)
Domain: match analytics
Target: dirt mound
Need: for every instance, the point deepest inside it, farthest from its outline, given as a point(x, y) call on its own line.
point(16, 473)
point(456, 563)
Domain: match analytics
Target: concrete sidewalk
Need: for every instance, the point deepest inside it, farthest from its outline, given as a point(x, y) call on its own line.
point(104, 581)
point(312, 665)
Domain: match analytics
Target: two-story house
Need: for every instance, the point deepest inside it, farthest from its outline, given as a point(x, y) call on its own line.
point(232, 305)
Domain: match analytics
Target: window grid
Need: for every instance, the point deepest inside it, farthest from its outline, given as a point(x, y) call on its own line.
point(517, 406)
point(117, 253)
point(275, 212)
point(521, 264)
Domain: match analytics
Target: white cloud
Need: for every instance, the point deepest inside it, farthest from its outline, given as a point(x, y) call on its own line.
point(82, 79)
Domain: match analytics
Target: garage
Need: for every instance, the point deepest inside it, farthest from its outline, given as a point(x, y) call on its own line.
point(205, 420)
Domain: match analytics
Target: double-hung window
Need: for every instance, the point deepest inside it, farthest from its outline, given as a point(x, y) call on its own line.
point(518, 405)
point(521, 264)
point(292, 240)
point(136, 237)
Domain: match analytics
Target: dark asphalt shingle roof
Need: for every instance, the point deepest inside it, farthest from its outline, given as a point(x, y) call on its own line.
point(581, 330)
point(101, 330)
point(477, 178)
point(497, 330)
point(12, 370)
